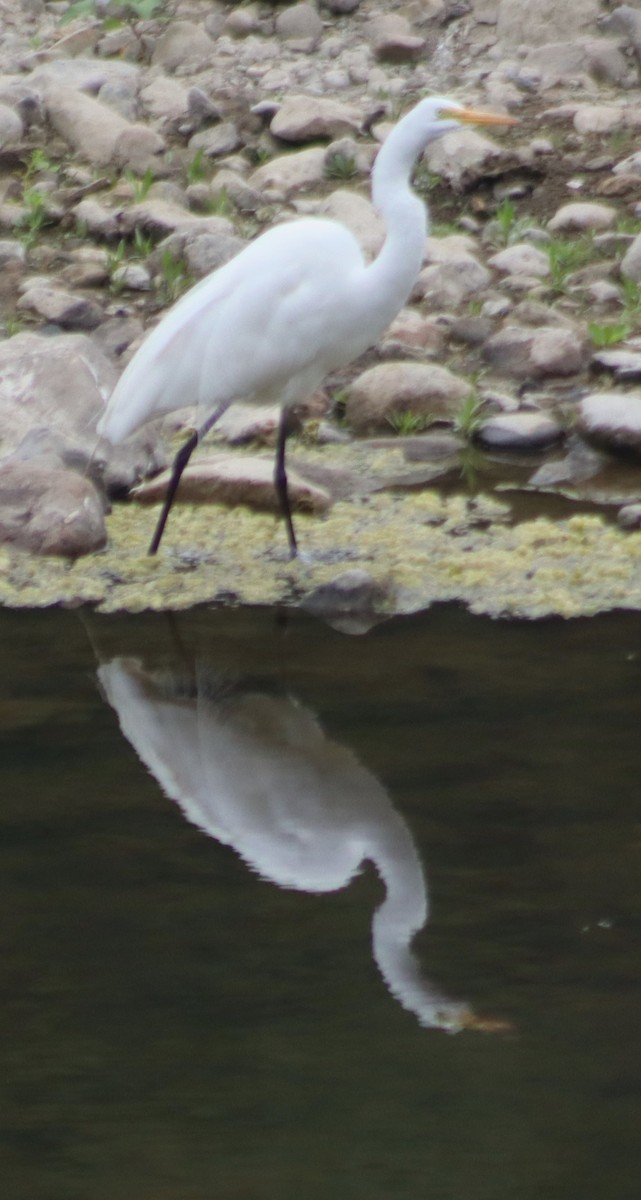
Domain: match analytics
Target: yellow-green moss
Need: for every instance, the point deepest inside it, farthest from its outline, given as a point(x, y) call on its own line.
point(422, 547)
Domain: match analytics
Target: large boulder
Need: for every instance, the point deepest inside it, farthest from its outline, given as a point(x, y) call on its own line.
point(59, 386)
point(50, 511)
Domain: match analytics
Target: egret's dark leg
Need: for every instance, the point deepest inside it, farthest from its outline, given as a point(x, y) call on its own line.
point(180, 462)
point(280, 481)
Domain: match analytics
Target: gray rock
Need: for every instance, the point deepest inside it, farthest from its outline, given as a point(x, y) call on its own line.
point(536, 353)
point(626, 364)
point(630, 166)
point(165, 98)
point(612, 419)
point(464, 157)
point(243, 423)
point(626, 21)
point(519, 431)
point(598, 118)
point(393, 39)
point(300, 23)
point(116, 334)
point(160, 217)
point(631, 261)
point(245, 198)
point(629, 517)
point(99, 220)
point(230, 479)
point(99, 134)
point(582, 215)
point(84, 74)
point(134, 276)
point(183, 44)
point(217, 140)
point(122, 98)
point(11, 128)
point(360, 216)
point(62, 308)
point(397, 387)
point(50, 511)
point(410, 330)
point(521, 259)
point(241, 22)
point(289, 174)
point(306, 118)
point(12, 251)
point(353, 602)
point(341, 6)
point(61, 384)
point(205, 252)
point(448, 284)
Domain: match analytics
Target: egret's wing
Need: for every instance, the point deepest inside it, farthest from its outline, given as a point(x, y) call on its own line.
point(268, 316)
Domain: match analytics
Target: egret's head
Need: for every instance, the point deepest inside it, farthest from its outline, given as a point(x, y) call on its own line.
point(446, 114)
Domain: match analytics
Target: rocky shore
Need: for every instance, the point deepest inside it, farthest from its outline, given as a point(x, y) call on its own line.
point(488, 450)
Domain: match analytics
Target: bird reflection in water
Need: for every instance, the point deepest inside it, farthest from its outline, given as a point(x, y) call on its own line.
point(257, 772)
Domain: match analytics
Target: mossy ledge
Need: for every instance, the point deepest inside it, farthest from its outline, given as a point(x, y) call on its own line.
point(421, 548)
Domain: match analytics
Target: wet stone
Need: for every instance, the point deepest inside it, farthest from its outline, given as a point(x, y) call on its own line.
point(612, 419)
point(519, 431)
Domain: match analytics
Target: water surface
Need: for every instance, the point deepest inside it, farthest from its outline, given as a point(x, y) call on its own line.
point(176, 1024)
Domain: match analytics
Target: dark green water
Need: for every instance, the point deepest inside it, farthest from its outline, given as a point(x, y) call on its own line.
point(175, 1027)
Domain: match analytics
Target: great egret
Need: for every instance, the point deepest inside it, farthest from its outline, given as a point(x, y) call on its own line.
point(297, 303)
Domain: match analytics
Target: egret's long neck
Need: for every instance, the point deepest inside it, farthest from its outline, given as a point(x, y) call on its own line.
point(393, 273)
point(403, 912)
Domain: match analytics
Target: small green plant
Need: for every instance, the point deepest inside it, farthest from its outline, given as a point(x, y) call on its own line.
point(631, 296)
point(424, 180)
point(627, 225)
point(506, 218)
point(340, 166)
point(174, 277)
point(469, 416)
point(140, 185)
point(35, 217)
point(131, 11)
point(608, 334)
point(80, 229)
point(142, 244)
point(566, 257)
point(339, 403)
point(38, 161)
point(405, 422)
point(10, 326)
point(196, 168)
point(443, 229)
point(141, 247)
point(260, 155)
point(220, 204)
point(115, 259)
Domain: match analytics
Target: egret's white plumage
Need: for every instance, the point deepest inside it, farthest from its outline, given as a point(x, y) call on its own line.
point(300, 301)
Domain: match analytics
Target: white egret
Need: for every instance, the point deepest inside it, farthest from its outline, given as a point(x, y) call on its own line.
point(297, 303)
